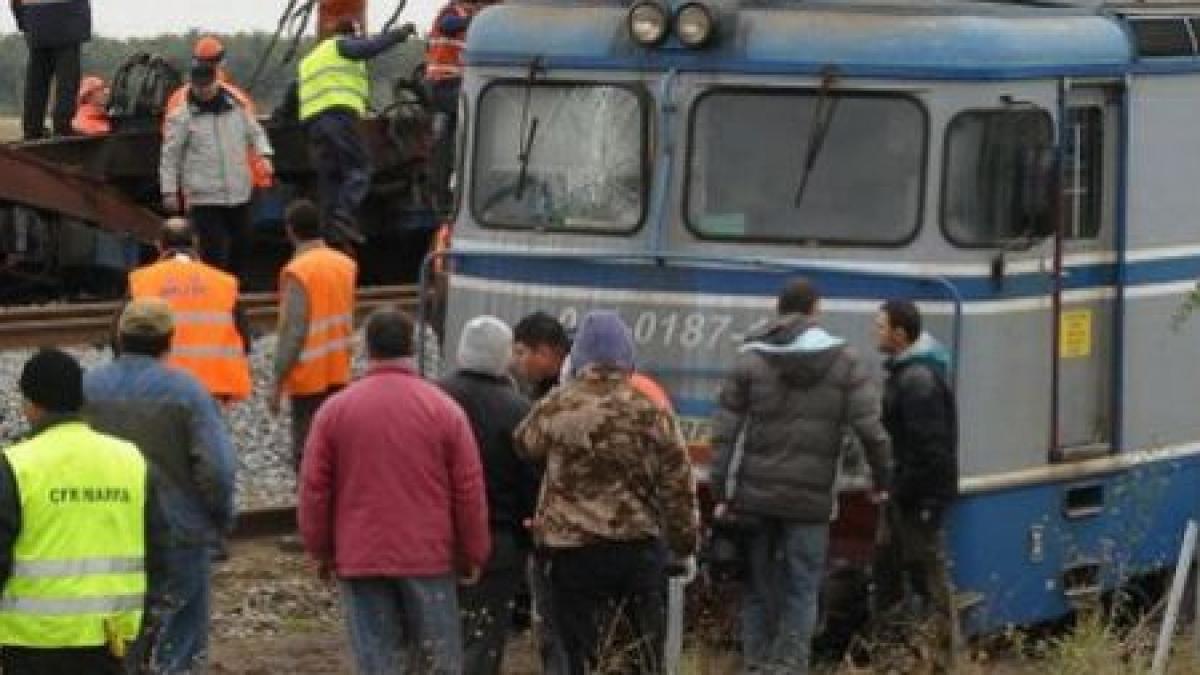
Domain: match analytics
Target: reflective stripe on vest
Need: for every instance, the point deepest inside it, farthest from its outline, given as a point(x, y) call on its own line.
point(329, 80)
point(78, 562)
point(206, 341)
point(443, 57)
point(328, 279)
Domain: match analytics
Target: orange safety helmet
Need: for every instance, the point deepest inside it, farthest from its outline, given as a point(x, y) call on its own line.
point(89, 87)
point(208, 48)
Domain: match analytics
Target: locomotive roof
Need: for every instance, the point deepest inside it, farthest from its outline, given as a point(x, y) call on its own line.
point(928, 39)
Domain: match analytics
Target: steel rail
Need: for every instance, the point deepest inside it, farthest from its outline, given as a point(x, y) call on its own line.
point(263, 522)
point(83, 323)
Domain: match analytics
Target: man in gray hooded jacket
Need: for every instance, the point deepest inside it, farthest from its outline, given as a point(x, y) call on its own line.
point(794, 391)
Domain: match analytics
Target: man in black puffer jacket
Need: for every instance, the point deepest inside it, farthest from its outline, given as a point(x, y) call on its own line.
point(920, 414)
point(794, 391)
point(482, 387)
point(54, 32)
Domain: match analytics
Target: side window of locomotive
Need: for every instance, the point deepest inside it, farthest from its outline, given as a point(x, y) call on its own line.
point(805, 166)
point(1082, 172)
point(559, 156)
point(991, 175)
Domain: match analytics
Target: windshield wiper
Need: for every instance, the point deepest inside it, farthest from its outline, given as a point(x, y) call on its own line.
point(822, 119)
point(528, 130)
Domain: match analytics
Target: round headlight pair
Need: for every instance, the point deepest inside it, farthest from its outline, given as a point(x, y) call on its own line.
point(649, 23)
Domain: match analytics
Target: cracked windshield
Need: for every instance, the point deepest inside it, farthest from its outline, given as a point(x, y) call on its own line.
point(559, 157)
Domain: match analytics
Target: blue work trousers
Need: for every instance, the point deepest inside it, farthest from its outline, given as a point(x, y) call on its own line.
point(342, 162)
point(786, 563)
point(177, 627)
point(404, 625)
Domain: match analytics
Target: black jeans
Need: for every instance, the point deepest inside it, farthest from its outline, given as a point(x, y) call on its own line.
point(487, 608)
point(342, 162)
point(224, 235)
point(304, 409)
point(63, 661)
point(610, 606)
point(57, 65)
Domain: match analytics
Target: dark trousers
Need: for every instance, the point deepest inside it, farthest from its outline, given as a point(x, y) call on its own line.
point(913, 581)
point(445, 104)
point(224, 235)
point(610, 602)
point(342, 163)
point(64, 661)
point(487, 607)
point(304, 409)
point(59, 65)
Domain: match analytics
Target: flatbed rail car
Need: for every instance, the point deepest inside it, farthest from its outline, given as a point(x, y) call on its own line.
point(677, 162)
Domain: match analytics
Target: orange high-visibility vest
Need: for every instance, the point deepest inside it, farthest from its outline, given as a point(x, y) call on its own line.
point(260, 176)
point(652, 390)
point(206, 342)
point(328, 277)
point(443, 57)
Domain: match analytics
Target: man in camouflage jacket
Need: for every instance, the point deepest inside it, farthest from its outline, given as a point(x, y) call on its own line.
point(617, 487)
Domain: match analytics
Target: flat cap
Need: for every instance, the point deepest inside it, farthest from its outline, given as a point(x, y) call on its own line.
point(147, 316)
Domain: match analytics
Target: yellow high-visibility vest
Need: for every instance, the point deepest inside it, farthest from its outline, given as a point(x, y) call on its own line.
point(79, 560)
point(329, 80)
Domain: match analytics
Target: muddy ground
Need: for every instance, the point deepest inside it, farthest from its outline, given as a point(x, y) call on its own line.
point(272, 616)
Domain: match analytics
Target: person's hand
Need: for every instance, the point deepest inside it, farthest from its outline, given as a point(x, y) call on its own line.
point(879, 496)
point(275, 400)
point(720, 510)
point(470, 576)
point(170, 203)
point(268, 166)
point(324, 570)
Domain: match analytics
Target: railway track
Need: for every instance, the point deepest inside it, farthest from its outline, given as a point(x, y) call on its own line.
point(263, 522)
point(84, 323)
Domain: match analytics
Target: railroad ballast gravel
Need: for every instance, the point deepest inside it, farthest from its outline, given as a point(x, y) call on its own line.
point(265, 476)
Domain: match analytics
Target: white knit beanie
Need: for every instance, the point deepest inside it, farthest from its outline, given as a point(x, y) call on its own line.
point(485, 346)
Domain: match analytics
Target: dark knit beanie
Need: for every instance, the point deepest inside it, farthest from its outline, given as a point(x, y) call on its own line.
point(53, 380)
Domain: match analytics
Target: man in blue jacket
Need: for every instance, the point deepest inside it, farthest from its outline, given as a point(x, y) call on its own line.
point(177, 425)
point(54, 32)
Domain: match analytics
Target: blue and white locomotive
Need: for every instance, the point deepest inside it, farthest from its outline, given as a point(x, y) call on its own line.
point(1030, 173)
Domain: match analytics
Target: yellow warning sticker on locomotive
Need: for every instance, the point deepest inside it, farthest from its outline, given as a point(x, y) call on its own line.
point(1075, 334)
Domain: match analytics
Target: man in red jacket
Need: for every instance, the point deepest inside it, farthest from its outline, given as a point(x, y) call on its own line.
point(392, 502)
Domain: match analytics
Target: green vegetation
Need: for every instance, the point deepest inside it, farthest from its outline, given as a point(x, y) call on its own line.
point(244, 51)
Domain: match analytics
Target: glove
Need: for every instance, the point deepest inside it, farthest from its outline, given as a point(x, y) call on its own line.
point(408, 30)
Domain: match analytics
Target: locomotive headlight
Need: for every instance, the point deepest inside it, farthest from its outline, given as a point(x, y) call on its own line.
point(694, 24)
point(648, 23)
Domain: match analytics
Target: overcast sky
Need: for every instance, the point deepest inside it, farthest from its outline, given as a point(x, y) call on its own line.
point(124, 18)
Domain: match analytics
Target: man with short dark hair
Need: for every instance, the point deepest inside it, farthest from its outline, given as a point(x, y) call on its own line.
point(316, 322)
point(178, 427)
point(79, 534)
point(392, 502)
point(540, 345)
point(920, 414)
point(793, 392)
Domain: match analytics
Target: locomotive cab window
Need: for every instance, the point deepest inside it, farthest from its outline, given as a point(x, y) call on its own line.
point(1083, 158)
point(560, 157)
point(997, 179)
point(805, 166)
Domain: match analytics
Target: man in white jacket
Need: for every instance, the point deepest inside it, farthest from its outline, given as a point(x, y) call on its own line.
point(205, 166)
